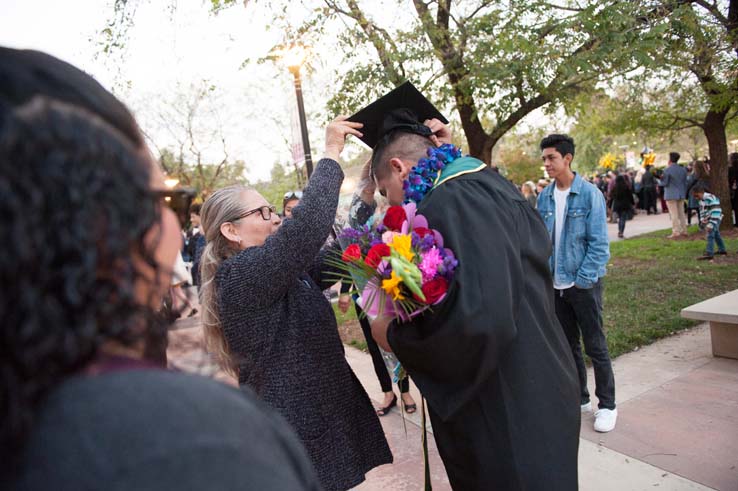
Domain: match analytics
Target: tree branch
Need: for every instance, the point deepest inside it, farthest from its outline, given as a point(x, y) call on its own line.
point(481, 7)
point(559, 7)
point(458, 75)
point(714, 10)
point(508, 123)
point(380, 39)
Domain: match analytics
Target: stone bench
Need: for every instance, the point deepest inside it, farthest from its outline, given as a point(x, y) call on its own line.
point(722, 314)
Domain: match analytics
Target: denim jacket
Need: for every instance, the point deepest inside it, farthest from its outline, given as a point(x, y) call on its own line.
point(585, 247)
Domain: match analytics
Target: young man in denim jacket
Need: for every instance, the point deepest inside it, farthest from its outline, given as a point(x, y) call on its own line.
point(575, 215)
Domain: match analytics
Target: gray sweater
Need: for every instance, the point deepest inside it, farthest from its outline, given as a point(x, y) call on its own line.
point(277, 322)
point(153, 430)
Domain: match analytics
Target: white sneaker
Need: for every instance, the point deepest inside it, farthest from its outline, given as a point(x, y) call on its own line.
point(605, 420)
point(586, 408)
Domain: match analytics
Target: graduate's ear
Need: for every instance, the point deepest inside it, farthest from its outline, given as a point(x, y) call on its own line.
point(399, 167)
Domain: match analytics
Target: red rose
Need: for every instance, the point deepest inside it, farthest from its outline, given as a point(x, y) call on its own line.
point(352, 253)
point(375, 255)
point(394, 218)
point(422, 231)
point(434, 289)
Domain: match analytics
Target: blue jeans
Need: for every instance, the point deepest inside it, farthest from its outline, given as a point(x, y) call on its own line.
point(580, 315)
point(714, 237)
point(623, 216)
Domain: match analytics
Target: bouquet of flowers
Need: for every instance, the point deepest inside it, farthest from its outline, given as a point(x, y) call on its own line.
point(399, 266)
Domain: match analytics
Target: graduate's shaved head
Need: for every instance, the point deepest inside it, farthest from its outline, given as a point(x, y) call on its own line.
point(401, 145)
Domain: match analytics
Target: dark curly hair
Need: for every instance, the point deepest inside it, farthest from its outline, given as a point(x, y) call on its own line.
point(76, 207)
point(562, 143)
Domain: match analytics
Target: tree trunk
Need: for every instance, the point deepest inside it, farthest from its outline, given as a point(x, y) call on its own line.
point(714, 129)
point(476, 137)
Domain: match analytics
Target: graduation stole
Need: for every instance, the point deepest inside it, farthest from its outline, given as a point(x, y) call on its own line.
point(459, 167)
point(442, 164)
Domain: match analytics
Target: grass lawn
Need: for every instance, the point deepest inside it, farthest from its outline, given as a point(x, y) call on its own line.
point(651, 278)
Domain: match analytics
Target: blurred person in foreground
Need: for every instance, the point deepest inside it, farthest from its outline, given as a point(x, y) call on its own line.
point(91, 251)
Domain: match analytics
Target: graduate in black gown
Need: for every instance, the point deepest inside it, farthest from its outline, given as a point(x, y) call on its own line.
point(491, 361)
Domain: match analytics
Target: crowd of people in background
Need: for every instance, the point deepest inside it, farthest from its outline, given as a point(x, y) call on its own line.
point(650, 190)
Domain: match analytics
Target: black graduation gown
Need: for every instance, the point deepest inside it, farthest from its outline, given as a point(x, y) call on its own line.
point(492, 360)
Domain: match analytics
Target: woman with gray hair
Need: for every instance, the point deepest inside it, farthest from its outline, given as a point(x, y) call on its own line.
point(267, 321)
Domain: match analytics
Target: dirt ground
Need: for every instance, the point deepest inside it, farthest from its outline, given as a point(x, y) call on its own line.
point(352, 335)
point(731, 233)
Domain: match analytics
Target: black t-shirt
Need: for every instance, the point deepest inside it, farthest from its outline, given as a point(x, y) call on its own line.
point(159, 430)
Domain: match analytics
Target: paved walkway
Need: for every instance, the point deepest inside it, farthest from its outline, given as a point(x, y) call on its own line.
point(677, 427)
point(641, 224)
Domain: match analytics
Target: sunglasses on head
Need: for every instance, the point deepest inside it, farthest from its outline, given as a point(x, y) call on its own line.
point(293, 194)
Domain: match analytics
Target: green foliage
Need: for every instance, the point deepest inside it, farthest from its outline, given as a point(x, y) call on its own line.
point(498, 61)
point(218, 5)
point(282, 181)
point(696, 83)
point(696, 72)
point(519, 165)
point(341, 318)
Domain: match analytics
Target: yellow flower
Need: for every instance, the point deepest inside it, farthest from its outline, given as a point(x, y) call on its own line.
point(392, 286)
point(403, 245)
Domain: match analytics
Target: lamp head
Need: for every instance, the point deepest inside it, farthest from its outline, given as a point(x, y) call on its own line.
point(294, 57)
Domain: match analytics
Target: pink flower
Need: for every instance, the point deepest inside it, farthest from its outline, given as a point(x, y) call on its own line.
point(413, 221)
point(389, 236)
point(429, 264)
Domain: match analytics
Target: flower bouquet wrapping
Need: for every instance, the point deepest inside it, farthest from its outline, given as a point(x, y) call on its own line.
point(399, 265)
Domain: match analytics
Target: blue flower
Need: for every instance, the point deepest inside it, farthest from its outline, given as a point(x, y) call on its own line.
point(421, 177)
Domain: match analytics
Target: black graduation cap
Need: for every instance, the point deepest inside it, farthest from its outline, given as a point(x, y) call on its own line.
point(404, 108)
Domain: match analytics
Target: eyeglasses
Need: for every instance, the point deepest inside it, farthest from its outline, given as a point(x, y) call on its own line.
point(266, 213)
point(293, 194)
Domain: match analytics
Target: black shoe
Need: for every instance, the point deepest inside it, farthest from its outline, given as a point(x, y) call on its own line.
point(383, 411)
point(722, 253)
point(706, 257)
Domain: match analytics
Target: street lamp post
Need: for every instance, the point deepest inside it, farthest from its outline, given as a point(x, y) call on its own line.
point(294, 58)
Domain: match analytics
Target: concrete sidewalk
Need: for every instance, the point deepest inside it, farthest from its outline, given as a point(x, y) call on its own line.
point(677, 426)
point(640, 224)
